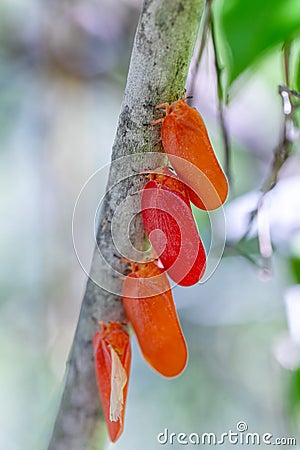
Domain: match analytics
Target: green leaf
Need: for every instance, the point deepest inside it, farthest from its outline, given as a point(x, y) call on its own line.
point(294, 392)
point(297, 75)
point(250, 28)
point(295, 268)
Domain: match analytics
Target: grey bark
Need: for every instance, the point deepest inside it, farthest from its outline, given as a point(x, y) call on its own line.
point(162, 50)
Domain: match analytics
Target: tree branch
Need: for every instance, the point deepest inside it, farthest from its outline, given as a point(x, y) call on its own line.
point(161, 54)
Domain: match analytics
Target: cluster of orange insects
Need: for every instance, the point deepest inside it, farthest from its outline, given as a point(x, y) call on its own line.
point(147, 295)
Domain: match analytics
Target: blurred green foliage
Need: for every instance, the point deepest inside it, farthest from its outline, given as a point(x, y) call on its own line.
point(294, 395)
point(252, 27)
point(297, 76)
point(295, 268)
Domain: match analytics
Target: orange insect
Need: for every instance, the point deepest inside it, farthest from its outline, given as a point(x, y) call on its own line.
point(149, 306)
point(189, 149)
point(171, 228)
point(112, 354)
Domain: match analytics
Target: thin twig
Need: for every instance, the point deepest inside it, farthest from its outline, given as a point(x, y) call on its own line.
point(283, 88)
point(281, 154)
point(203, 33)
point(225, 134)
point(237, 250)
point(286, 61)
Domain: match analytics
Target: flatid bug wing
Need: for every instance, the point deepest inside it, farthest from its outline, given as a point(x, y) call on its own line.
point(112, 355)
point(187, 144)
point(155, 321)
point(171, 228)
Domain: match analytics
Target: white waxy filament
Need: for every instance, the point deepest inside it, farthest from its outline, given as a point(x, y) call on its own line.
point(118, 382)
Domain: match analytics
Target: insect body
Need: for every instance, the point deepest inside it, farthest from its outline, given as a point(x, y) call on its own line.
point(171, 228)
point(112, 354)
point(190, 152)
point(149, 307)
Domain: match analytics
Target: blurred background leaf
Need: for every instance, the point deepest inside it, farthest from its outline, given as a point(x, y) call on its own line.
point(294, 395)
point(252, 27)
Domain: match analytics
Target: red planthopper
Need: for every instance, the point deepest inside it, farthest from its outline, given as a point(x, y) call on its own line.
point(149, 307)
point(187, 144)
point(112, 354)
point(171, 228)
